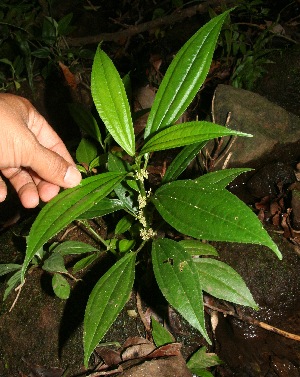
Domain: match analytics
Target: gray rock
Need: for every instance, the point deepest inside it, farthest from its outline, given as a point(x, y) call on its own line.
point(276, 132)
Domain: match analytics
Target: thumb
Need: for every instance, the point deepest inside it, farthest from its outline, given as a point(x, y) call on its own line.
point(53, 168)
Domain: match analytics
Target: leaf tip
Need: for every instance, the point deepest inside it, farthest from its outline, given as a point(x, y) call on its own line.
point(274, 248)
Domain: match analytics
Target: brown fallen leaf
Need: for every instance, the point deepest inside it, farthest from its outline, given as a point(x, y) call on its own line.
point(285, 223)
point(172, 349)
point(174, 366)
point(68, 75)
point(135, 340)
point(109, 356)
point(137, 351)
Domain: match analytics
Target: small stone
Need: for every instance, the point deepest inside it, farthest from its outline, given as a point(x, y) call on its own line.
point(276, 132)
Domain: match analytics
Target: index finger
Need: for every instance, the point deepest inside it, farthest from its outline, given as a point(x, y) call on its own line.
point(46, 135)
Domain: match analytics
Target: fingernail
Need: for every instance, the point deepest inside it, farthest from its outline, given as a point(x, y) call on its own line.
point(72, 177)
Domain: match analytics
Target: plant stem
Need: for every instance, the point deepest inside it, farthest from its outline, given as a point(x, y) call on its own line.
point(92, 231)
point(141, 246)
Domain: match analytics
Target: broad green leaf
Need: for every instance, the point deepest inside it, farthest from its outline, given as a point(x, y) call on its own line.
point(81, 169)
point(221, 178)
point(124, 192)
point(124, 224)
point(55, 263)
point(98, 161)
point(132, 183)
point(210, 214)
point(49, 30)
point(204, 373)
point(40, 254)
point(181, 161)
point(103, 207)
point(85, 120)
point(66, 207)
point(86, 151)
point(85, 262)
point(107, 299)
point(160, 334)
point(183, 134)
point(73, 247)
point(196, 247)
point(178, 279)
point(12, 283)
point(8, 62)
point(201, 360)
point(184, 76)
point(9, 267)
point(60, 286)
point(126, 197)
point(63, 25)
point(42, 53)
point(111, 101)
point(116, 163)
point(125, 245)
point(127, 85)
point(222, 281)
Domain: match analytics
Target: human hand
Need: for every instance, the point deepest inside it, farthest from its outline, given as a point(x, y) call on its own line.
point(32, 156)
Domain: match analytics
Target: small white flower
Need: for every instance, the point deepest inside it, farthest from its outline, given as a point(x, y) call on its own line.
point(141, 175)
point(147, 234)
point(142, 201)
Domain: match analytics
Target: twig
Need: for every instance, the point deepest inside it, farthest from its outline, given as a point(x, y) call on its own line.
point(92, 6)
point(18, 290)
point(213, 108)
point(132, 30)
point(107, 372)
point(217, 154)
point(227, 160)
point(232, 141)
point(66, 232)
point(254, 322)
point(272, 328)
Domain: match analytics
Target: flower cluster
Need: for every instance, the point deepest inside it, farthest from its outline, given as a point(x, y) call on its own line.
point(141, 175)
point(145, 233)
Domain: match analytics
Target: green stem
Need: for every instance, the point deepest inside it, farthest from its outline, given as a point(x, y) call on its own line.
point(86, 224)
point(141, 246)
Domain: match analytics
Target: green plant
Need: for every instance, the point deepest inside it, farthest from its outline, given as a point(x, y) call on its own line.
point(14, 78)
point(33, 45)
point(52, 47)
point(245, 45)
point(252, 65)
point(15, 20)
point(201, 208)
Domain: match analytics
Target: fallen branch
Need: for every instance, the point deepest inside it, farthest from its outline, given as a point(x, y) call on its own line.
point(254, 322)
point(132, 30)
